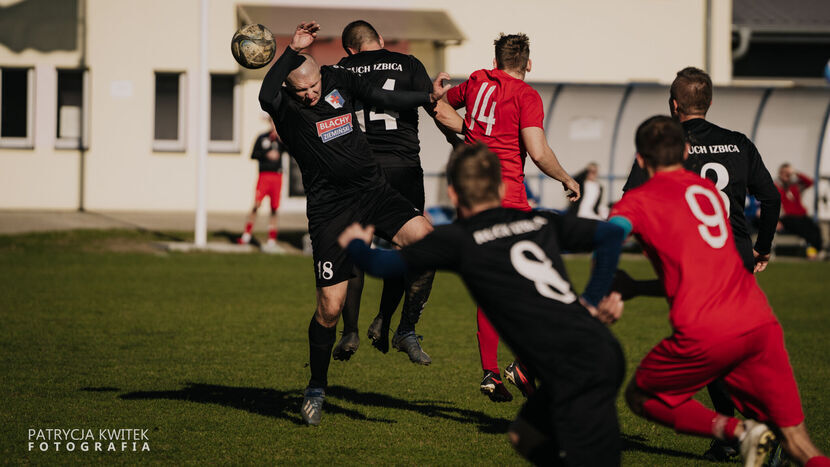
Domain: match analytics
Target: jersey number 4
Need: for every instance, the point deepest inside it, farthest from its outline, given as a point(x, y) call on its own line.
point(389, 118)
point(488, 120)
point(540, 270)
point(709, 221)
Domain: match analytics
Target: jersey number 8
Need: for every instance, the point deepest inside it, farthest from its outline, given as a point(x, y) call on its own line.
point(717, 219)
point(540, 270)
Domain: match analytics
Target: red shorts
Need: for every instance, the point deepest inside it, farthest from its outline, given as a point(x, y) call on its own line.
point(754, 366)
point(269, 184)
point(520, 206)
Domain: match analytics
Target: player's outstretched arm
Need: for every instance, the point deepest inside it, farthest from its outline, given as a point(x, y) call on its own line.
point(445, 116)
point(396, 100)
point(629, 288)
point(607, 245)
point(269, 92)
point(544, 158)
point(379, 263)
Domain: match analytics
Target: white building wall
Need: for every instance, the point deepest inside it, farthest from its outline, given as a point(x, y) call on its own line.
point(571, 41)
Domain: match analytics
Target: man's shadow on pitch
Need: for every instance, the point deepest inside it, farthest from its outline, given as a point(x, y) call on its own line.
point(286, 404)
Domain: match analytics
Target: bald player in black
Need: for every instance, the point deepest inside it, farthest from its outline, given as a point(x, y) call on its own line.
point(315, 114)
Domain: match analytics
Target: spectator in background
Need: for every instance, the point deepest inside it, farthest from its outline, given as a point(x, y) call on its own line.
point(794, 216)
point(268, 150)
point(590, 205)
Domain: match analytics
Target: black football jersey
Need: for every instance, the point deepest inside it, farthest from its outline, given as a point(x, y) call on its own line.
point(510, 262)
point(333, 154)
point(732, 162)
point(393, 135)
point(259, 153)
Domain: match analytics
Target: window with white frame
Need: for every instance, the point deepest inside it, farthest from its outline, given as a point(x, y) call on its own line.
point(16, 107)
point(72, 109)
point(169, 121)
point(224, 113)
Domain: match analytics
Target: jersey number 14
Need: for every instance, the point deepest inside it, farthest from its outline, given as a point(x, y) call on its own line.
point(487, 119)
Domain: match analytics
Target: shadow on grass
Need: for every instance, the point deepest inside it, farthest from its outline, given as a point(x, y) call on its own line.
point(427, 408)
point(261, 401)
point(286, 404)
point(638, 443)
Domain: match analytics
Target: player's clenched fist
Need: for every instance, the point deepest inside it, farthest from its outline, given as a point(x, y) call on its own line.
point(610, 309)
point(356, 231)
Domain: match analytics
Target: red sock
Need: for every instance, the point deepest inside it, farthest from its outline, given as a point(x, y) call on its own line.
point(272, 234)
point(818, 461)
point(690, 417)
point(248, 227)
point(488, 343)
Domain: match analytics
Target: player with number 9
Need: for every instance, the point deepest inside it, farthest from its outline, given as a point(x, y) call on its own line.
point(723, 326)
point(506, 114)
point(732, 162)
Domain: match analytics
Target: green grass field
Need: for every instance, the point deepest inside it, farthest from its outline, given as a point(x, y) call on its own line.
point(208, 353)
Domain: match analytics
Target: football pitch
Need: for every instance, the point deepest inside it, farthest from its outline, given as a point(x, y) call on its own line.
point(208, 352)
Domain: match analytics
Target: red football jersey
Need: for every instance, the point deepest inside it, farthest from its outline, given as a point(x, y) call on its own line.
point(680, 220)
point(498, 106)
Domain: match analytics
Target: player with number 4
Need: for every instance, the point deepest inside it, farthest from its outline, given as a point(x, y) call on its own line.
point(723, 327)
point(506, 114)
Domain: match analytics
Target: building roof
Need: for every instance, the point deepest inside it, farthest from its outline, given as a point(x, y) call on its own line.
point(782, 16)
point(391, 24)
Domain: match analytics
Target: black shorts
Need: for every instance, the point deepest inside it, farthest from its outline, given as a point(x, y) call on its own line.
point(382, 207)
point(576, 406)
point(409, 181)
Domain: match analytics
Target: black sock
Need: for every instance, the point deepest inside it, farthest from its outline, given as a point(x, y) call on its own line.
point(393, 289)
point(351, 308)
point(320, 341)
point(416, 297)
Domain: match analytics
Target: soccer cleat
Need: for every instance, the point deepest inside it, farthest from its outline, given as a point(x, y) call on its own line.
point(518, 376)
point(244, 239)
point(493, 387)
point(756, 443)
point(312, 408)
point(271, 246)
point(777, 457)
point(346, 347)
point(379, 334)
point(721, 451)
point(408, 342)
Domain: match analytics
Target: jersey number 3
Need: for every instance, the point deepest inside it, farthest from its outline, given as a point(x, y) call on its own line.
point(709, 221)
point(540, 270)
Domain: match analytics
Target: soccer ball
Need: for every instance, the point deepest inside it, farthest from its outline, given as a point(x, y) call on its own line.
point(253, 46)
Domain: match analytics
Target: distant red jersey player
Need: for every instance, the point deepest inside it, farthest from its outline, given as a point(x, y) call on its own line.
point(506, 114)
point(723, 326)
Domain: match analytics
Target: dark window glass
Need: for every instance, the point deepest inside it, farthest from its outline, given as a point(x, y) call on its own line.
point(14, 97)
point(221, 107)
point(167, 106)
